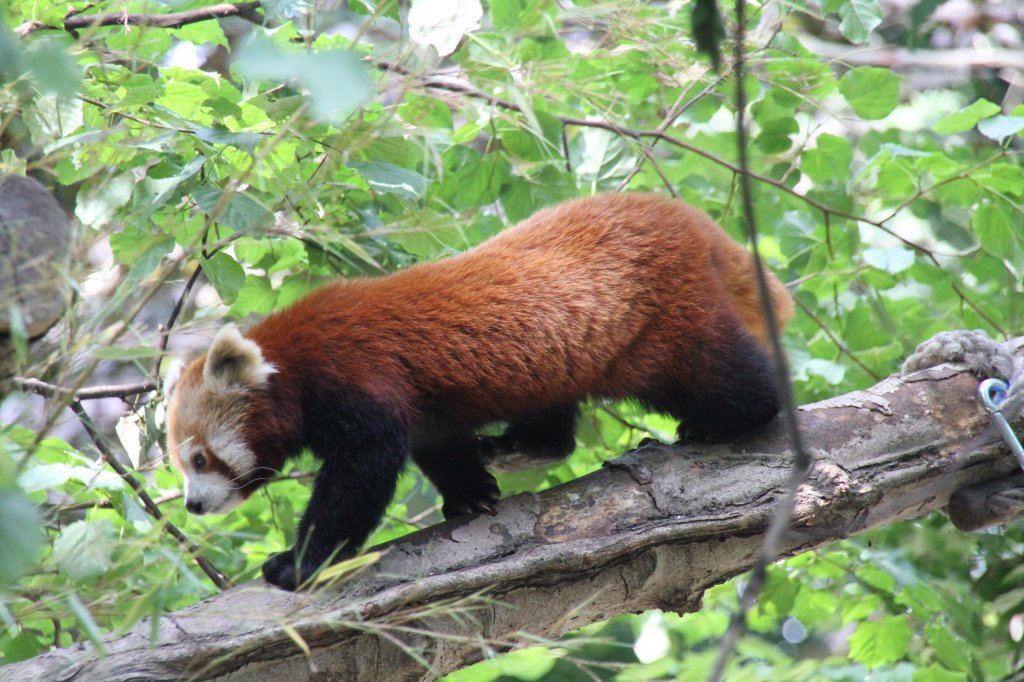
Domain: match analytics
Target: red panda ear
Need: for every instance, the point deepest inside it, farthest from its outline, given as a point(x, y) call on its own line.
point(234, 361)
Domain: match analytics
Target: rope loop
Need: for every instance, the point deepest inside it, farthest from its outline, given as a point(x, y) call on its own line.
point(982, 355)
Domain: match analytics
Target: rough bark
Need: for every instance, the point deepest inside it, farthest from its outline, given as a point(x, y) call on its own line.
point(652, 529)
point(34, 238)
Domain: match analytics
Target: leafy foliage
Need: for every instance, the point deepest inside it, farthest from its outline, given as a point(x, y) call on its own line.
point(893, 214)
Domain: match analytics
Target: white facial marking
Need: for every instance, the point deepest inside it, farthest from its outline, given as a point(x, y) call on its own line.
point(214, 493)
point(226, 444)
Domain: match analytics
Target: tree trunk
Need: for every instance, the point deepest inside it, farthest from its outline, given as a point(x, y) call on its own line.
point(652, 529)
point(34, 238)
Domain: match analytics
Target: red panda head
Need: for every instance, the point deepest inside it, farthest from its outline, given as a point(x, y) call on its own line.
point(209, 407)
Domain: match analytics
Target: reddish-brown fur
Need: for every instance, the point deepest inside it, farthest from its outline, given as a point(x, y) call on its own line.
point(613, 296)
point(592, 296)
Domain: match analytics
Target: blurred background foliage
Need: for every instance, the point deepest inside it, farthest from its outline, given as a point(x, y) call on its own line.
point(220, 168)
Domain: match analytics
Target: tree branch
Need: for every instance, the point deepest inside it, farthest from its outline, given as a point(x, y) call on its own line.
point(75, 21)
point(92, 393)
point(652, 529)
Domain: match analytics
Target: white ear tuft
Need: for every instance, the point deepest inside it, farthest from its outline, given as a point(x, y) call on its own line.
point(235, 362)
point(174, 371)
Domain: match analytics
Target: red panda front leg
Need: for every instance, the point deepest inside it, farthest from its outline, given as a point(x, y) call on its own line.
point(363, 449)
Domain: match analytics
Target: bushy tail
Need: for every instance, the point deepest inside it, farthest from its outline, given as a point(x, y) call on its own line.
point(736, 266)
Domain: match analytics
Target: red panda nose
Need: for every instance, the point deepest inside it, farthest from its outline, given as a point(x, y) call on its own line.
point(194, 506)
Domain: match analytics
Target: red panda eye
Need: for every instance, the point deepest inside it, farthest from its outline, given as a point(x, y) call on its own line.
point(199, 461)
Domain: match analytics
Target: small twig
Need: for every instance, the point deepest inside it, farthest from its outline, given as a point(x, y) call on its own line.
point(677, 110)
point(165, 329)
point(219, 579)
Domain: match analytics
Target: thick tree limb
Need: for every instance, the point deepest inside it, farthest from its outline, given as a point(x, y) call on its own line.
point(654, 528)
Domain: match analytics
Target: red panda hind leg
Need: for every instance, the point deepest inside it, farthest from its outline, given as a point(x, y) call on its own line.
point(542, 436)
point(736, 393)
point(453, 465)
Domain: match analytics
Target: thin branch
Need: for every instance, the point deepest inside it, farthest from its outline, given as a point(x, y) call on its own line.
point(135, 119)
point(165, 329)
point(75, 21)
point(677, 110)
point(219, 579)
point(92, 393)
point(836, 340)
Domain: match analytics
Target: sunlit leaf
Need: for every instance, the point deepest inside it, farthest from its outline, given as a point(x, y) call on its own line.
point(966, 118)
point(871, 91)
point(85, 549)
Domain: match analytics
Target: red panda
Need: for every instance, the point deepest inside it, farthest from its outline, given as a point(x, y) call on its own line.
point(627, 296)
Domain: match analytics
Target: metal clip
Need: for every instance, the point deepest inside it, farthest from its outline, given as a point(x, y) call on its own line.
point(992, 393)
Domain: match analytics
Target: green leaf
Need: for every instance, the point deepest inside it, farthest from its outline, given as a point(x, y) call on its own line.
point(50, 117)
point(45, 477)
point(221, 135)
point(85, 549)
point(225, 274)
point(337, 80)
point(858, 19)
point(880, 642)
point(97, 205)
point(21, 648)
point(948, 648)
point(1000, 127)
point(185, 99)
point(19, 535)
point(829, 161)
point(513, 14)
point(995, 225)
point(391, 179)
point(1001, 177)
point(255, 296)
point(936, 673)
point(600, 155)
point(872, 92)
point(52, 67)
point(774, 137)
point(242, 213)
point(966, 118)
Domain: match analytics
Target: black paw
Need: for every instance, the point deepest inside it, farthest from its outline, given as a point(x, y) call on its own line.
point(282, 570)
point(472, 500)
point(693, 433)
